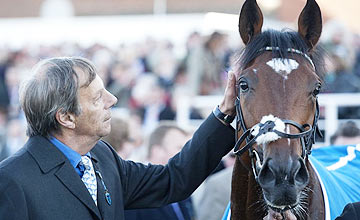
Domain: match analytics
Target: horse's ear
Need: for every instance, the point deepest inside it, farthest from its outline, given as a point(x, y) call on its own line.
point(250, 21)
point(310, 23)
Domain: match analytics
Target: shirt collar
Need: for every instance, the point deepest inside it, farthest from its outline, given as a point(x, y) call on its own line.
point(73, 156)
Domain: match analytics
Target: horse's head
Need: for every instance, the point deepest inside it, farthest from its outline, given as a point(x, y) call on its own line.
point(278, 81)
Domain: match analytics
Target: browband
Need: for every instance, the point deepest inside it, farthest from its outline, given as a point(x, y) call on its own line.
point(291, 50)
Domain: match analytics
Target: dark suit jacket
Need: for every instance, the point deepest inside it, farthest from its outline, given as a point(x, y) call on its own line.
point(350, 212)
point(163, 213)
point(4, 152)
point(39, 183)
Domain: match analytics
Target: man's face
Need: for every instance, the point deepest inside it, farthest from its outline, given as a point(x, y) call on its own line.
point(95, 103)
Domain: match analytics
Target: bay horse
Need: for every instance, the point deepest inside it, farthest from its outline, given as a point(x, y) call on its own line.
point(279, 75)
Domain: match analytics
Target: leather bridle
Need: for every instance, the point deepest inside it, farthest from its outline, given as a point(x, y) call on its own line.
point(306, 133)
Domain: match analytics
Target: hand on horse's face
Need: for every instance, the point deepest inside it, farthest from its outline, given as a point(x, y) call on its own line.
point(227, 105)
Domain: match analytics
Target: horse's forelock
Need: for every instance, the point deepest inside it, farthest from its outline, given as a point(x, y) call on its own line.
point(282, 40)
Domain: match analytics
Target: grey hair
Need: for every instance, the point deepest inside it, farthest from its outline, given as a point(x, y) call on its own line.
point(53, 86)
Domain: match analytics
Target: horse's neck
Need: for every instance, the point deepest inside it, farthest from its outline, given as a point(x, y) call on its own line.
point(246, 195)
point(239, 185)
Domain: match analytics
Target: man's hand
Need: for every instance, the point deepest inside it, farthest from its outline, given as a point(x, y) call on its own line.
point(227, 106)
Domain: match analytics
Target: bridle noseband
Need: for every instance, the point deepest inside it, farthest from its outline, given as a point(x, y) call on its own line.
point(306, 135)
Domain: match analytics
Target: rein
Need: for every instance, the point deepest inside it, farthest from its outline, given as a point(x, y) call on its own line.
point(306, 134)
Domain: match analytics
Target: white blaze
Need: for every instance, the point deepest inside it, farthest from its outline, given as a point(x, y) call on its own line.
point(283, 66)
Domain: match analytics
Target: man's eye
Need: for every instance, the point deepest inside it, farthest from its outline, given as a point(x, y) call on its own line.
point(97, 99)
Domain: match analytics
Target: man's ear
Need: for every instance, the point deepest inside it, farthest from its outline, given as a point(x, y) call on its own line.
point(65, 119)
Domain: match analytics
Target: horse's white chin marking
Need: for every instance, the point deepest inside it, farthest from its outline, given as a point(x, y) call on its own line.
point(272, 215)
point(269, 136)
point(283, 66)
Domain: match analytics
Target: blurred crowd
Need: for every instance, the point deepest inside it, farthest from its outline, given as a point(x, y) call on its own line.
point(148, 77)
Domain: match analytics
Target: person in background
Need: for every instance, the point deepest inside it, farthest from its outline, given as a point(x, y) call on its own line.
point(119, 137)
point(164, 142)
point(4, 151)
point(212, 197)
point(206, 65)
point(65, 171)
point(123, 75)
point(137, 137)
point(347, 134)
point(153, 101)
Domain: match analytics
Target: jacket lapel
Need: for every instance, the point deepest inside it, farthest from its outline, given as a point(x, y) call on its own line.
point(102, 204)
point(67, 175)
point(48, 157)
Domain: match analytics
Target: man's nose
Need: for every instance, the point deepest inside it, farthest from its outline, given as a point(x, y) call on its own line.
point(111, 100)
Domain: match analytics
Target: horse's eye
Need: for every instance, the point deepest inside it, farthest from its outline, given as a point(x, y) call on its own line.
point(244, 87)
point(317, 90)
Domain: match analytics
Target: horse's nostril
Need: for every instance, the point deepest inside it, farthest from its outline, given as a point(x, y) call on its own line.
point(266, 175)
point(302, 175)
point(296, 174)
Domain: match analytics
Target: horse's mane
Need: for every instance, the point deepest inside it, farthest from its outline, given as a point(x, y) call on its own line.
point(283, 40)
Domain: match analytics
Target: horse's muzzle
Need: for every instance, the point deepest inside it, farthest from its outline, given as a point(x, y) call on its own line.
point(282, 182)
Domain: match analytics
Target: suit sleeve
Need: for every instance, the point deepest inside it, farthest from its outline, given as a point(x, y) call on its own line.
point(147, 186)
point(349, 212)
point(12, 200)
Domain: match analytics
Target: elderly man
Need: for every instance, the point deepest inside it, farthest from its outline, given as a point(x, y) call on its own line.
point(65, 171)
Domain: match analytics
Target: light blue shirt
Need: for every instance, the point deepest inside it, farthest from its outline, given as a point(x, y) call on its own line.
point(73, 156)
